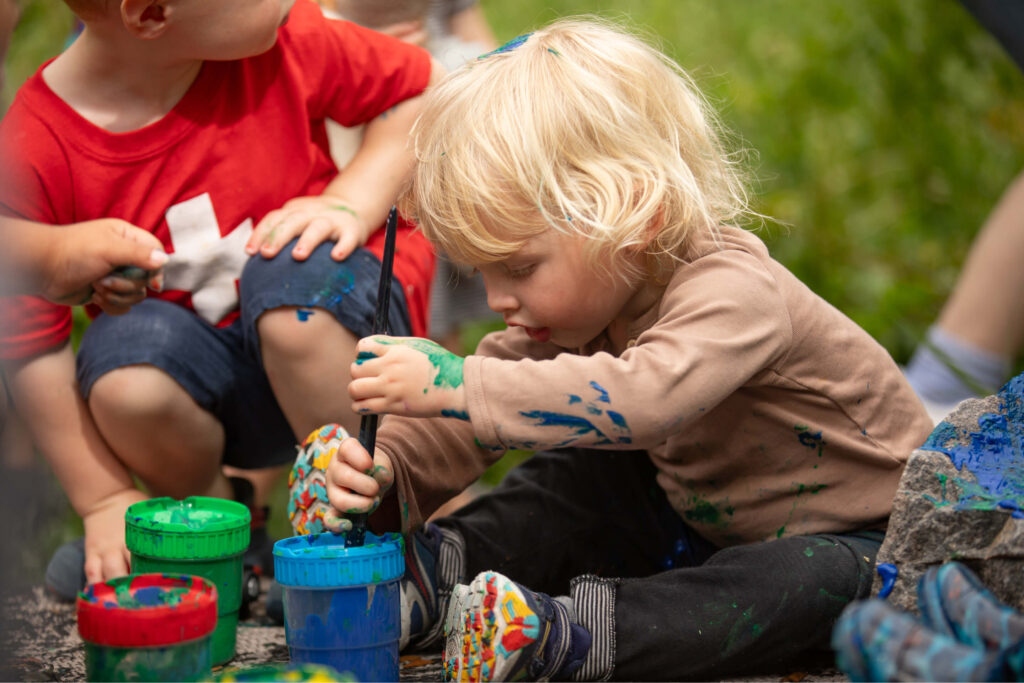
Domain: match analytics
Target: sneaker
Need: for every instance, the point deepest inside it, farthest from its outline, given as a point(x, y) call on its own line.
point(307, 480)
point(874, 641)
point(421, 627)
point(65, 574)
point(498, 630)
point(955, 603)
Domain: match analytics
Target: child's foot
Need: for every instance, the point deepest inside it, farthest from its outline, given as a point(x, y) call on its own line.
point(876, 642)
point(421, 627)
point(307, 481)
point(497, 630)
point(954, 602)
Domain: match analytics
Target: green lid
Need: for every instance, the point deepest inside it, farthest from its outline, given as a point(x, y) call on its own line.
point(195, 528)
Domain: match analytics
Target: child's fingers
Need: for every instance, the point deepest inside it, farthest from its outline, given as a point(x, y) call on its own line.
point(336, 523)
point(347, 241)
point(262, 230)
point(120, 284)
point(366, 387)
point(316, 231)
point(93, 568)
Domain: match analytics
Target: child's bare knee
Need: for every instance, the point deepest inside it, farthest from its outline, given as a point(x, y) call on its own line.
point(133, 390)
point(290, 331)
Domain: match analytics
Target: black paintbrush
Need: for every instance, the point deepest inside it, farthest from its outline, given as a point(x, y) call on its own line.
point(368, 425)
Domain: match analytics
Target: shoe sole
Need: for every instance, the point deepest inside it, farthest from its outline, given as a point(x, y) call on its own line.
point(488, 626)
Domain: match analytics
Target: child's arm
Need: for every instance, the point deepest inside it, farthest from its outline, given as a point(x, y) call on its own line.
point(73, 264)
point(357, 201)
point(98, 486)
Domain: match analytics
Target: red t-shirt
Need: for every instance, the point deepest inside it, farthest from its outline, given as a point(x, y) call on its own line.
point(246, 137)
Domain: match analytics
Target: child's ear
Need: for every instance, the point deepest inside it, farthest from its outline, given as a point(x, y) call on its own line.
point(146, 19)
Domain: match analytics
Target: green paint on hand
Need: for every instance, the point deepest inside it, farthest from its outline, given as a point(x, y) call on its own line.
point(347, 209)
point(364, 356)
point(448, 365)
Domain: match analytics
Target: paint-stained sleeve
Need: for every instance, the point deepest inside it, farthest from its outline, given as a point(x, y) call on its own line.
point(721, 320)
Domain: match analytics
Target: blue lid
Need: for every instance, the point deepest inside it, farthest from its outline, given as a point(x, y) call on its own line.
point(323, 561)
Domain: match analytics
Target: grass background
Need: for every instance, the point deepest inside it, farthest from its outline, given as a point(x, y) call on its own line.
point(881, 132)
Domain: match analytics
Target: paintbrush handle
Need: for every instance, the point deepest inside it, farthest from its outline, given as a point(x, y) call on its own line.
point(368, 424)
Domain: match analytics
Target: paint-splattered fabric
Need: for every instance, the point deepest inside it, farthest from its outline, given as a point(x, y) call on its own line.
point(668, 605)
point(767, 411)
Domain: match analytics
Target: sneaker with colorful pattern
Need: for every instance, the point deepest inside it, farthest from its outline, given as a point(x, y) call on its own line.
point(307, 481)
point(497, 630)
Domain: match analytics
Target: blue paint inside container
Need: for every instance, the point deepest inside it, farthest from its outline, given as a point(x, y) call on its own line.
point(342, 605)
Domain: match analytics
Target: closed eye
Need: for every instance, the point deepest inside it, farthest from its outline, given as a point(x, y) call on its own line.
point(521, 271)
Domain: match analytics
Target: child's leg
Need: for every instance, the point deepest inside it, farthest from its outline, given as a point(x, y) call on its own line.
point(175, 397)
point(754, 608)
point(572, 512)
point(304, 319)
point(556, 516)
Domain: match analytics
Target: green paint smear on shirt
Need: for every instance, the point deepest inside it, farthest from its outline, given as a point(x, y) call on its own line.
point(449, 366)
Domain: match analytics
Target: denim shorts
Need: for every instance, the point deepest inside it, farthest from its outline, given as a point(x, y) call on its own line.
point(222, 368)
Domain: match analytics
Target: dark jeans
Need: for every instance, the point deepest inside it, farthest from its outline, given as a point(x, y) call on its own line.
point(683, 608)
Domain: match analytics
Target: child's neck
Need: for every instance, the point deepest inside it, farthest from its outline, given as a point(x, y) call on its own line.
point(117, 88)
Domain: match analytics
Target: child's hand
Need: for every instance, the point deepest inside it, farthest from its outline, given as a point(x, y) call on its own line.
point(106, 555)
point(355, 483)
point(407, 376)
point(108, 262)
point(314, 218)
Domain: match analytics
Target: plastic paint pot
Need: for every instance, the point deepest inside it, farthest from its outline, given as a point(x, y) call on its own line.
point(342, 605)
point(314, 673)
point(148, 627)
point(201, 536)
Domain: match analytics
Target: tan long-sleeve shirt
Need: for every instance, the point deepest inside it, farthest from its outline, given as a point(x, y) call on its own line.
point(767, 412)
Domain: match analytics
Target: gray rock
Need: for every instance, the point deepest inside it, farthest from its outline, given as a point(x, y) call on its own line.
point(961, 498)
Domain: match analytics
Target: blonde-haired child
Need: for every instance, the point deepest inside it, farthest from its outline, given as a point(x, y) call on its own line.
point(719, 445)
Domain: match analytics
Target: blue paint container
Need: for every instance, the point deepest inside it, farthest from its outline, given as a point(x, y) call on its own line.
point(342, 605)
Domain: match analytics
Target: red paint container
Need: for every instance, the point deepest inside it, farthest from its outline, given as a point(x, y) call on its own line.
point(148, 627)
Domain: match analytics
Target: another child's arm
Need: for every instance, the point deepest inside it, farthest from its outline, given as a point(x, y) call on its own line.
point(356, 202)
point(98, 486)
point(73, 264)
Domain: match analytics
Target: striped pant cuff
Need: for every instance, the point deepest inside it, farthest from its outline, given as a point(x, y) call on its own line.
point(593, 598)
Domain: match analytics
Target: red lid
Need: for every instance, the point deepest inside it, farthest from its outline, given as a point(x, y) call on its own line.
point(147, 610)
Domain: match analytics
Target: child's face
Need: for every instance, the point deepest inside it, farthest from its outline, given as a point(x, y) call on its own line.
point(228, 29)
point(548, 288)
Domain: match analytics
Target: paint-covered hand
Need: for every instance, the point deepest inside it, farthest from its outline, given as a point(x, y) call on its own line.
point(313, 220)
point(106, 555)
point(355, 483)
point(407, 376)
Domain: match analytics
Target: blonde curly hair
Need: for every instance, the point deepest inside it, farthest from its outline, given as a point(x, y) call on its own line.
point(582, 127)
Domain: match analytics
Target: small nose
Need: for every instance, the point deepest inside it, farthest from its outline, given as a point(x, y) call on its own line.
point(499, 299)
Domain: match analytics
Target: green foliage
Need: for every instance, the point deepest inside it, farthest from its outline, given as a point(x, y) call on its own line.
point(881, 133)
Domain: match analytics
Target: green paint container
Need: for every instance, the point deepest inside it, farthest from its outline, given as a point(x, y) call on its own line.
point(200, 536)
point(148, 627)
